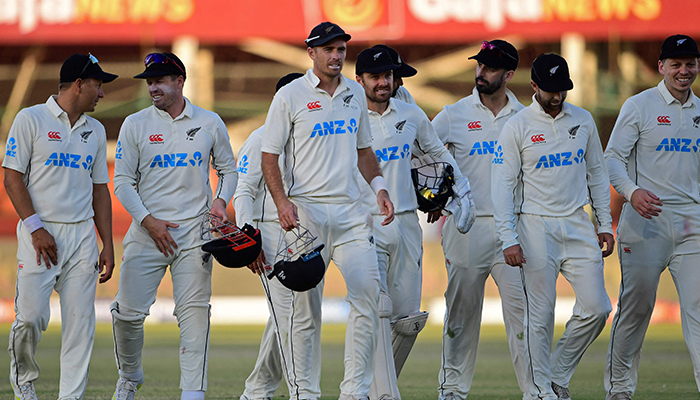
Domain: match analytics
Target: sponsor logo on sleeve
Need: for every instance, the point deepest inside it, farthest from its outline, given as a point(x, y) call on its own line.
point(243, 164)
point(11, 148)
point(118, 156)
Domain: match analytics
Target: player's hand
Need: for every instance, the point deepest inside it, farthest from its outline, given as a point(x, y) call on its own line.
point(434, 216)
point(644, 202)
point(45, 246)
point(218, 208)
point(106, 263)
point(385, 206)
point(158, 231)
point(514, 256)
point(258, 266)
point(608, 240)
point(287, 213)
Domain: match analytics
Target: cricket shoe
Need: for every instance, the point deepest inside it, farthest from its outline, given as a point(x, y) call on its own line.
point(561, 392)
point(26, 392)
point(620, 396)
point(448, 396)
point(126, 389)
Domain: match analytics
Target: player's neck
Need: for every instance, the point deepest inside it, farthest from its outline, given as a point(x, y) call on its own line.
point(177, 108)
point(378, 107)
point(495, 101)
point(681, 96)
point(328, 83)
point(69, 106)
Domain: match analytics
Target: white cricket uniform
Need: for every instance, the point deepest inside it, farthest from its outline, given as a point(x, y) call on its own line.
point(557, 163)
point(162, 169)
point(254, 205)
point(319, 135)
point(60, 164)
point(654, 146)
point(470, 131)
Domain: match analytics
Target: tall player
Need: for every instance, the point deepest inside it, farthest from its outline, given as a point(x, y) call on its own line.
point(396, 125)
point(470, 129)
point(547, 164)
point(320, 123)
point(161, 176)
point(253, 204)
point(653, 163)
point(55, 151)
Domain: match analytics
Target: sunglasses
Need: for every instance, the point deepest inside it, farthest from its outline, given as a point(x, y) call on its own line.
point(486, 45)
point(91, 59)
point(160, 58)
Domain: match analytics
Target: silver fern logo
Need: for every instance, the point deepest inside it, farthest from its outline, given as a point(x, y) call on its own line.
point(192, 132)
point(572, 132)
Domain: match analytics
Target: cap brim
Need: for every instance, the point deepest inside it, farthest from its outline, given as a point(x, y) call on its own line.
point(674, 54)
point(322, 41)
point(494, 62)
point(556, 86)
point(377, 69)
point(105, 77)
point(405, 71)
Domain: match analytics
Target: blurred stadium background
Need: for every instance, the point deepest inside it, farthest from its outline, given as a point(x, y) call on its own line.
point(236, 50)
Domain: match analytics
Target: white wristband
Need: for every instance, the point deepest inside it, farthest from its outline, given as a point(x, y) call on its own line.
point(33, 223)
point(378, 184)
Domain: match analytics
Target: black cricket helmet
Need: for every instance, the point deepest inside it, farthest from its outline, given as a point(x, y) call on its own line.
point(433, 183)
point(233, 247)
point(299, 265)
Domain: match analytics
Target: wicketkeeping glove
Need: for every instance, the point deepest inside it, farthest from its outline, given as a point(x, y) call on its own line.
point(462, 206)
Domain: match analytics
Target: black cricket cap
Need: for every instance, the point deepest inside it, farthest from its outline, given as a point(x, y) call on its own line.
point(162, 64)
point(678, 45)
point(374, 61)
point(287, 79)
point(497, 54)
point(404, 70)
point(81, 66)
point(551, 73)
point(324, 33)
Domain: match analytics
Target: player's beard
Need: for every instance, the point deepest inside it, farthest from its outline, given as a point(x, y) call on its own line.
point(548, 105)
point(489, 87)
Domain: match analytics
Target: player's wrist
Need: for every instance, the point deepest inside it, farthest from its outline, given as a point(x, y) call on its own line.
point(33, 223)
point(378, 184)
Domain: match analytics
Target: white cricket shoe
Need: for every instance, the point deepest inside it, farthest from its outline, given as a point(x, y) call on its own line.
point(126, 389)
point(448, 396)
point(26, 392)
point(620, 396)
point(561, 392)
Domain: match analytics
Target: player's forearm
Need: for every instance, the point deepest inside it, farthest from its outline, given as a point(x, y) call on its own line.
point(273, 176)
point(17, 192)
point(367, 164)
point(102, 205)
point(130, 199)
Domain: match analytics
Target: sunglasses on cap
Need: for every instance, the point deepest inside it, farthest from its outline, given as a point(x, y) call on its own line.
point(91, 59)
point(159, 58)
point(486, 45)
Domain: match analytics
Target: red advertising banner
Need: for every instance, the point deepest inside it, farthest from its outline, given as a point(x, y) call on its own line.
point(413, 21)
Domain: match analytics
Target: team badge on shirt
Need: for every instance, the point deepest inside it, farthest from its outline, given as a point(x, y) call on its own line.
point(696, 121)
point(399, 126)
point(572, 131)
point(346, 101)
point(192, 132)
point(84, 136)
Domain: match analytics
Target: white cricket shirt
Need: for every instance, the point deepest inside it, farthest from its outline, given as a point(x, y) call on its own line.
point(470, 131)
point(60, 164)
point(319, 136)
point(252, 200)
point(556, 162)
point(655, 145)
point(162, 164)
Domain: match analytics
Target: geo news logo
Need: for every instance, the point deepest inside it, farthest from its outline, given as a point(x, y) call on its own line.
point(337, 127)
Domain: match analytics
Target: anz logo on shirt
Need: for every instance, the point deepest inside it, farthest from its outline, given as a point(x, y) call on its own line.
point(118, 156)
point(393, 153)
point(337, 127)
point(69, 160)
point(243, 164)
point(498, 155)
point(680, 145)
point(11, 150)
point(483, 148)
point(560, 159)
point(177, 160)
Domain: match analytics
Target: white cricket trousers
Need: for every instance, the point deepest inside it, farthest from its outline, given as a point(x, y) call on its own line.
point(346, 231)
point(74, 278)
point(469, 259)
point(269, 370)
point(646, 248)
point(141, 271)
point(552, 245)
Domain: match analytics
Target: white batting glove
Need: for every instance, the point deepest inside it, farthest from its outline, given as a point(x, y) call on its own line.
point(462, 206)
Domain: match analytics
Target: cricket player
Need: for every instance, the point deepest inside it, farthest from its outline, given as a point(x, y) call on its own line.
point(403, 71)
point(161, 176)
point(320, 123)
point(653, 163)
point(470, 129)
point(254, 206)
point(56, 177)
point(547, 164)
point(396, 125)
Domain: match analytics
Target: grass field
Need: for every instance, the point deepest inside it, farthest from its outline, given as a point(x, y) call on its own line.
point(665, 373)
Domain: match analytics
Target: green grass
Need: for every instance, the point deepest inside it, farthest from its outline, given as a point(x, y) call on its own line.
point(665, 373)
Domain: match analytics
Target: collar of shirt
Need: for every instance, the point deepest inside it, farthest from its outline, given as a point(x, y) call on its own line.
point(475, 100)
point(539, 110)
point(669, 99)
point(315, 80)
point(57, 112)
point(187, 112)
point(390, 107)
